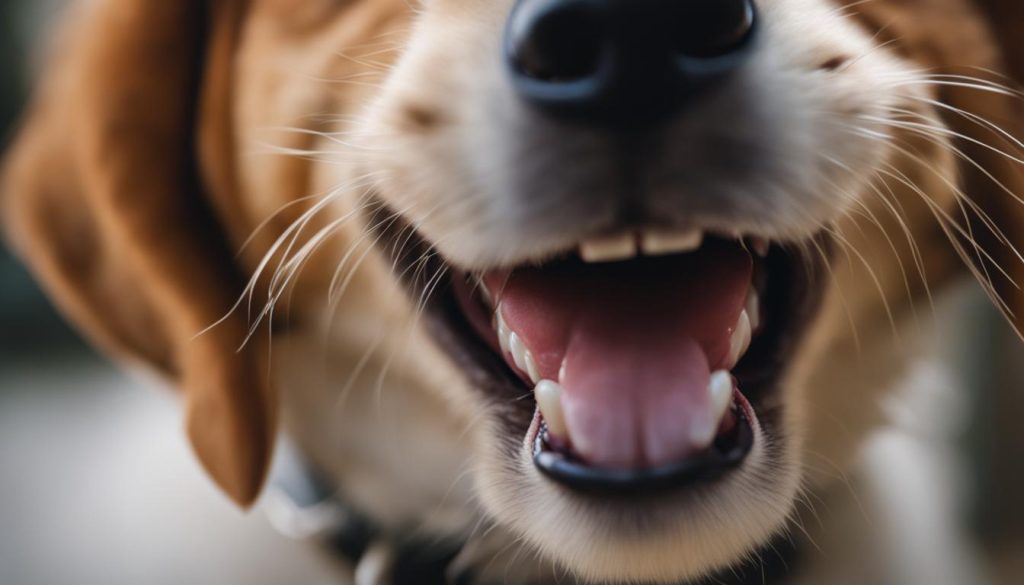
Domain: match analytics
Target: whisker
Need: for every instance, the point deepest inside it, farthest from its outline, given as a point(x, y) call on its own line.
point(950, 228)
point(898, 212)
point(960, 84)
point(963, 198)
point(871, 273)
point(942, 131)
point(866, 212)
point(842, 296)
point(292, 230)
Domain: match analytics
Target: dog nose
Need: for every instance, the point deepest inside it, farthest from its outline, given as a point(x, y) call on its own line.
point(623, 61)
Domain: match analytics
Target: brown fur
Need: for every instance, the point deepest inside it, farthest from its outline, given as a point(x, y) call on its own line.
point(133, 185)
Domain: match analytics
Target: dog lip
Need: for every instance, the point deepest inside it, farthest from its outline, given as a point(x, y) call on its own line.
point(726, 454)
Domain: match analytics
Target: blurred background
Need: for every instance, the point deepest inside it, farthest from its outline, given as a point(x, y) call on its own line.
point(97, 482)
point(93, 461)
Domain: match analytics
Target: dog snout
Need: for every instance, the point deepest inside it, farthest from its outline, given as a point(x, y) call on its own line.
point(624, 61)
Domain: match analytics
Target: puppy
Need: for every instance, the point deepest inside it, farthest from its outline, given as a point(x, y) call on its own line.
point(594, 290)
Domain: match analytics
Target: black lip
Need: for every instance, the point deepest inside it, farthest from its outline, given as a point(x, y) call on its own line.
point(797, 278)
point(726, 454)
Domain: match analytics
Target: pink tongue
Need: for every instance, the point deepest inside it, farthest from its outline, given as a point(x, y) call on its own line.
point(633, 345)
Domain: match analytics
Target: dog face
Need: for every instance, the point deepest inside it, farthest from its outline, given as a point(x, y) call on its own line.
point(644, 272)
point(782, 149)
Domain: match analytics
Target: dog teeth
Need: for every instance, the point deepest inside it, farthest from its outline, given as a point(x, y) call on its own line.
point(518, 351)
point(657, 243)
point(609, 248)
point(753, 309)
point(503, 331)
point(720, 387)
point(740, 340)
point(531, 367)
point(511, 344)
point(549, 399)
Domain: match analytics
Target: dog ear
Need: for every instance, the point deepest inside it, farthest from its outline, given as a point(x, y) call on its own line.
point(105, 202)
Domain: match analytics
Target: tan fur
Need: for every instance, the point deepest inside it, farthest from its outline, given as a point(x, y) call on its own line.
point(150, 156)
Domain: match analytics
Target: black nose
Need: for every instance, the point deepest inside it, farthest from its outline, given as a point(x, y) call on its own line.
point(624, 61)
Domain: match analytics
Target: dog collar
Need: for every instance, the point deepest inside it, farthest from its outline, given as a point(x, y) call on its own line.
point(302, 505)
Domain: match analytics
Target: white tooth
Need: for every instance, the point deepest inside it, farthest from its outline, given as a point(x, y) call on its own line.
point(609, 248)
point(503, 332)
point(512, 344)
point(720, 389)
point(760, 246)
point(656, 243)
point(753, 308)
point(518, 351)
point(740, 340)
point(549, 400)
point(531, 367)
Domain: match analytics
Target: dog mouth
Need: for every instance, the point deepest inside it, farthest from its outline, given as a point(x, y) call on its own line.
point(629, 349)
point(638, 361)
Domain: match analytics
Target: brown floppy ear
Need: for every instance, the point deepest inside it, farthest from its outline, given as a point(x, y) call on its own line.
point(104, 202)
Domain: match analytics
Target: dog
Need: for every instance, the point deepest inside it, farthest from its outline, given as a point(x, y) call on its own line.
point(593, 289)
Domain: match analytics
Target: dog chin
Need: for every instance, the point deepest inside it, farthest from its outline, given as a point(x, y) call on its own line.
point(659, 539)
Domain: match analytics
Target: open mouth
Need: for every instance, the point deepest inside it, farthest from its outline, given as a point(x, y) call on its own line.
point(636, 362)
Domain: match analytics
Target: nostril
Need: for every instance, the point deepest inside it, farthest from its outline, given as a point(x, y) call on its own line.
point(623, 62)
point(712, 28)
point(564, 43)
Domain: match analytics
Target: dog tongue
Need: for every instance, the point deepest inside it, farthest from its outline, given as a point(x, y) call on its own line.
point(633, 345)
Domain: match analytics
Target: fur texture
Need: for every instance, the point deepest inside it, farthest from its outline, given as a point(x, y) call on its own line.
point(172, 152)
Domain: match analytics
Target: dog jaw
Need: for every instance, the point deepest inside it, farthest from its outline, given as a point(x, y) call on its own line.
point(662, 542)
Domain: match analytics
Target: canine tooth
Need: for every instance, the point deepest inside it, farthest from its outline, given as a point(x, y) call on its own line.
point(720, 389)
point(753, 309)
point(518, 351)
point(503, 332)
point(549, 399)
point(740, 340)
point(609, 248)
point(531, 367)
point(657, 243)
